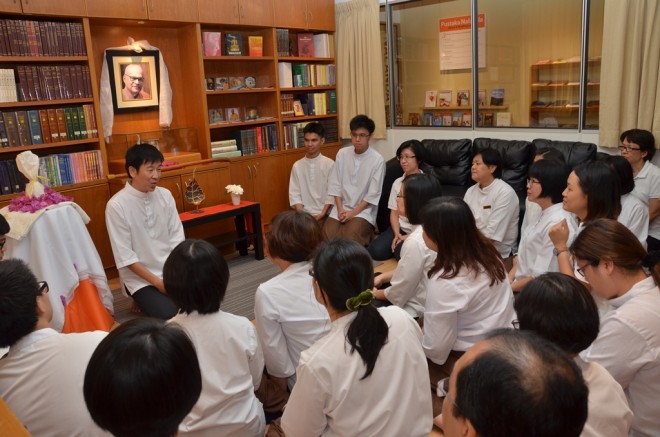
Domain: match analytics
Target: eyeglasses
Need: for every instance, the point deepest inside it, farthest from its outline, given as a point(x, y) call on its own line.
point(533, 181)
point(405, 157)
point(442, 390)
point(360, 136)
point(135, 79)
point(400, 196)
point(628, 149)
point(580, 270)
point(515, 324)
point(2, 243)
point(312, 273)
point(43, 286)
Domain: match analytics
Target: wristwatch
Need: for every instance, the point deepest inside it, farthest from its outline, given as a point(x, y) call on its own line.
point(556, 252)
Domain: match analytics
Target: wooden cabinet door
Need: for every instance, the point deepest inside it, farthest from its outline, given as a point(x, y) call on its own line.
point(135, 9)
point(271, 184)
point(256, 13)
point(74, 8)
point(242, 173)
point(175, 10)
point(321, 14)
point(290, 13)
point(10, 6)
point(93, 201)
point(219, 11)
point(173, 183)
point(213, 183)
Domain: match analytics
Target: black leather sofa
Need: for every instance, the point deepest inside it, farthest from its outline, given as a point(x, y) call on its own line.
point(451, 161)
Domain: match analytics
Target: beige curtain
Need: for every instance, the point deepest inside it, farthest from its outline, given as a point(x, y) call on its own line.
point(359, 64)
point(630, 71)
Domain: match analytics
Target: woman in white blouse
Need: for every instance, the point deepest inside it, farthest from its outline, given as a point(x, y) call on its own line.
point(634, 213)
point(546, 182)
point(619, 270)
point(468, 293)
point(408, 280)
point(368, 376)
point(411, 156)
point(195, 277)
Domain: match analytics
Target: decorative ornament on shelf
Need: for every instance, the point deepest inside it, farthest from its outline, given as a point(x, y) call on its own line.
point(194, 193)
point(236, 191)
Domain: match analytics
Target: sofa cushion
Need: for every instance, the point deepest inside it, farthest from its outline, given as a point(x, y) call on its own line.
point(451, 161)
point(575, 152)
point(517, 156)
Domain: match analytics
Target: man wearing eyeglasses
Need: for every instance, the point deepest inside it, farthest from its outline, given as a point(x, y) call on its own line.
point(134, 83)
point(41, 377)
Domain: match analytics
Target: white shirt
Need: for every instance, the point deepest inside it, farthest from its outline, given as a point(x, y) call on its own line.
point(404, 224)
point(532, 213)
point(635, 216)
point(41, 379)
point(609, 414)
point(647, 186)
point(308, 183)
point(289, 319)
point(143, 227)
point(232, 364)
point(355, 178)
point(331, 399)
point(628, 346)
point(535, 251)
point(496, 209)
point(408, 289)
point(462, 310)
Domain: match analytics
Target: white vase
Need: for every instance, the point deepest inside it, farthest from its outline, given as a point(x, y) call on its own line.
point(235, 199)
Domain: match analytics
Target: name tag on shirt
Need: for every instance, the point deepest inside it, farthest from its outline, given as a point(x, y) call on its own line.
point(487, 206)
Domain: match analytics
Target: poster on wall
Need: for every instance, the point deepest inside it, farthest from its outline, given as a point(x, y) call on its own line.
point(456, 45)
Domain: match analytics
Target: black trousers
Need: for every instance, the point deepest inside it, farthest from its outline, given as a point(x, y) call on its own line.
point(154, 303)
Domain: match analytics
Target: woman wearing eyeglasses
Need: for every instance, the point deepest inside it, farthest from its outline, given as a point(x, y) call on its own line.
point(547, 181)
point(592, 192)
point(620, 271)
point(368, 376)
point(410, 155)
point(468, 293)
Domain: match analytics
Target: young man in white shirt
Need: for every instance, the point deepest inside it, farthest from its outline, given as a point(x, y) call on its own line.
point(144, 226)
point(308, 184)
point(41, 377)
point(356, 183)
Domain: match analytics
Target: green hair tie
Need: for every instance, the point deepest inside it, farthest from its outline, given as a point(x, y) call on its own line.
point(361, 300)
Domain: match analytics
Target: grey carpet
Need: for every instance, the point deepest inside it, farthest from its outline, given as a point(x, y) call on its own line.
point(245, 275)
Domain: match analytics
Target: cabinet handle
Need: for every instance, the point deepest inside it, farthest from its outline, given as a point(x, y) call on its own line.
point(178, 188)
point(240, 11)
point(235, 9)
point(256, 174)
point(151, 7)
point(250, 171)
point(310, 17)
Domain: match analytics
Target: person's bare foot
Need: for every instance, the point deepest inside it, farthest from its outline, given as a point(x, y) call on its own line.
point(135, 308)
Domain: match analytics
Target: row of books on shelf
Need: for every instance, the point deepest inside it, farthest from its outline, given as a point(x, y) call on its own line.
point(223, 83)
point(257, 140)
point(299, 105)
point(302, 75)
point(294, 136)
point(235, 115)
point(304, 44)
point(41, 38)
point(434, 99)
point(500, 119)
point(231, 44)
point(44, 126)
point(56, 170)
point(53, 82)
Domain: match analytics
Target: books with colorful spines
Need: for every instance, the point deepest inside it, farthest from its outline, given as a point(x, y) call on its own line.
point(259, 140)
point(4, 142)
point(332, 101)
point(306, 45)
point(52, 126)
point(23, 128)
point(212, 43)
point(5, 184)
point(68, 121)
point(61, 125)
point(82, 119)
point(61, 163)
point(285, 74)
point(16, 178)
point(256, 45)
point(35, 127)
point(282, 42)
point(90, 120)
point(233, 44)
point(45, 127)
point(299, 75)
point(77, 129)
point(11, 125)
point(87, 82)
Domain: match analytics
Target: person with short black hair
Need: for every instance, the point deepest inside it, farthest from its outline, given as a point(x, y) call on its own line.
point(143, 379)
point(409, 280)
point(622, 273)
point(389, 242)
point(561, 309)
point(4, 229)
point(144, 226)
point(308, 183)
point(514, 384)
point(634, 213)
point(493, 202)
point(368, 375)
point(546, 182)
point(288, 317)
point(196, 277)
point(41, 377)
point(356, 182)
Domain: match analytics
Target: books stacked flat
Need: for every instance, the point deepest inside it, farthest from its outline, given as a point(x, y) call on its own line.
point(224, 149)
